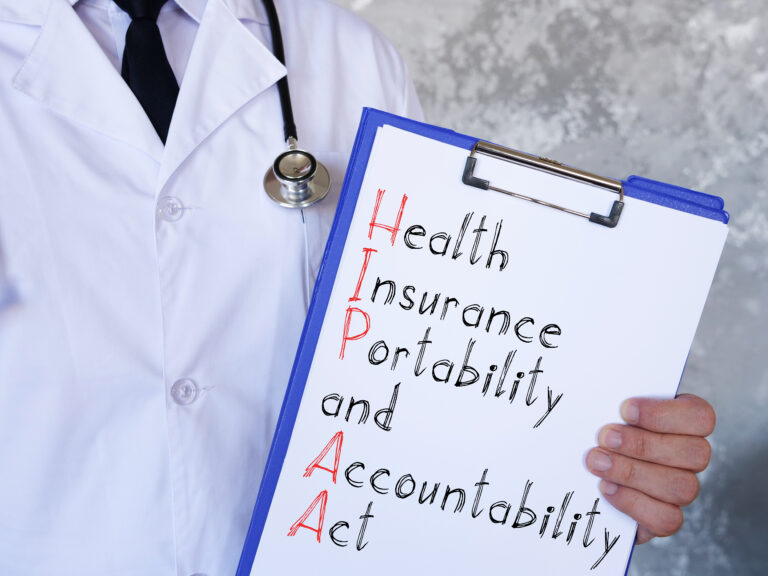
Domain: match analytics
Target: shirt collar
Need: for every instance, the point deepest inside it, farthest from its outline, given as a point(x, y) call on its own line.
point(242, 9)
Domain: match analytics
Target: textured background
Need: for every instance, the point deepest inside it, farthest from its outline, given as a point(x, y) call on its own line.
point(676, 91)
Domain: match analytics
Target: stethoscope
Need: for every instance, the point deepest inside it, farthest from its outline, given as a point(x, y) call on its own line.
point(296, 179)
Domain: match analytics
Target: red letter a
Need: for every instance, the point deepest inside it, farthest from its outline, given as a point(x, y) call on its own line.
point(321, 499)
point(338, 439)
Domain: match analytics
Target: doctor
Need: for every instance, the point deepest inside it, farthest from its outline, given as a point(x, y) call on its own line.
point(153, 295)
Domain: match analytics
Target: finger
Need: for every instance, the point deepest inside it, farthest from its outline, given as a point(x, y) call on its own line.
point(659, 518)
point(643, 535)
point(670, 485)
point(687, 452)
point(686, 414)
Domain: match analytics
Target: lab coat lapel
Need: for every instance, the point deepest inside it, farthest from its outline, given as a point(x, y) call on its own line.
point(67, 71)
point(227, 68)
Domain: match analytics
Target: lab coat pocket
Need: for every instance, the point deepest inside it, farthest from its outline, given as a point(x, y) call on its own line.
point(319, 218)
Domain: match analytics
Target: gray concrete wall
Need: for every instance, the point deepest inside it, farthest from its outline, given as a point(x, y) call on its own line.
point(676, 91)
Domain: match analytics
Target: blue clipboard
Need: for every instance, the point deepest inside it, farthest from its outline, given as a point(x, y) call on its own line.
point(674, 197)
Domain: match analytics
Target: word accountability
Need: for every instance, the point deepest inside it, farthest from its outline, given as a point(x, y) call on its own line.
point(551, 522)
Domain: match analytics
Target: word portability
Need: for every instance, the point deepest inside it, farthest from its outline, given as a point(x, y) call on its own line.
point(497, 383)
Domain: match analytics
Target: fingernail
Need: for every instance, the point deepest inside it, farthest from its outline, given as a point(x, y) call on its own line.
point(608, 488)
point(599, 461)
point(630, 412)
point(612, 439)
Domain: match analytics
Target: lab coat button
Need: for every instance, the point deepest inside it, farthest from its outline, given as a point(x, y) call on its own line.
point(184, 391)
point(170, 208)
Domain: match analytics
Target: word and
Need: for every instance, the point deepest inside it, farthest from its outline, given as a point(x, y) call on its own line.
point(332, 405)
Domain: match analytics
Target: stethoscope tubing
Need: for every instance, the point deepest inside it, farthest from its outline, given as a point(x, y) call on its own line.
point(289, 124)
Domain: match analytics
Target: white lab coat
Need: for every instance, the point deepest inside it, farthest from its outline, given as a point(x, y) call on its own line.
point(105, 471)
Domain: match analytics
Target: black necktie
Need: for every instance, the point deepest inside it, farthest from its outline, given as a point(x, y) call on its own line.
point(145, 65)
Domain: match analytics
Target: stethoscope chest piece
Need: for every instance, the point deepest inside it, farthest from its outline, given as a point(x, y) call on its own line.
point(297, 179)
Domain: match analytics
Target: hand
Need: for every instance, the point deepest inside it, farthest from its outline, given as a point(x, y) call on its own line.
point(648, 468)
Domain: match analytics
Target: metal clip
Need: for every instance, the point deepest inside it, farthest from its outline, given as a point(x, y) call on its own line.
point(546, 165)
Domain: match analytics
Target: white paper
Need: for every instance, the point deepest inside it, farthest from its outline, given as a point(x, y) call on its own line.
point(626, 301)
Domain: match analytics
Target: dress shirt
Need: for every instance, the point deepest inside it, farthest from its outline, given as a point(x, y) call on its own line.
point(108, 23)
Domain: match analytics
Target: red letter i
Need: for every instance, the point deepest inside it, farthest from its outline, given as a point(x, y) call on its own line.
point(366, 261)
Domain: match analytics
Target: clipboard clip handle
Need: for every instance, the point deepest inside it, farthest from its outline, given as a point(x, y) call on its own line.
point(609, 220)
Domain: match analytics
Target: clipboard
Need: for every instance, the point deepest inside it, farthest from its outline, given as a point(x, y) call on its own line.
point(658, 193)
